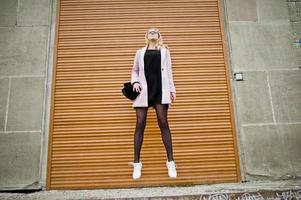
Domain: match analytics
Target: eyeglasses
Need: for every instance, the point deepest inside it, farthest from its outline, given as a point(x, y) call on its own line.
point(153, 32)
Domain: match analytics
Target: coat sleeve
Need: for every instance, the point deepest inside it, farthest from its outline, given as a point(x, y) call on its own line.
point(169, 68)
point(135, 69)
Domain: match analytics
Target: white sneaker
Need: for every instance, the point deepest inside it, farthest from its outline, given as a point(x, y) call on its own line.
point(137, 169)
point(171, 166)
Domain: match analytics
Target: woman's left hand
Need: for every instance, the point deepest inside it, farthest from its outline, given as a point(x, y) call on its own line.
point(172, 96)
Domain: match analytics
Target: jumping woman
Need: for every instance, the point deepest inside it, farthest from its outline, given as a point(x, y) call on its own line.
point(152, 77)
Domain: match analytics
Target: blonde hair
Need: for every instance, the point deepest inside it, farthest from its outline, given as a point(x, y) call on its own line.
point(159, 42)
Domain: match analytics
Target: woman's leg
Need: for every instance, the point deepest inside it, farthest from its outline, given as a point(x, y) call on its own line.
point(161, 110)
point(141, 114)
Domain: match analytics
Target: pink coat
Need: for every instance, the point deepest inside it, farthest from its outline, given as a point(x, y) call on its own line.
point(166, 75)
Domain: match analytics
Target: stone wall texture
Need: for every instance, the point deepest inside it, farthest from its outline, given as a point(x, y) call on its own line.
point(262, 38)
point(24, 33)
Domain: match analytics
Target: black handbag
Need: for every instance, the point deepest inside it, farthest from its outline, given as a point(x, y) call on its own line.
point(128, 91)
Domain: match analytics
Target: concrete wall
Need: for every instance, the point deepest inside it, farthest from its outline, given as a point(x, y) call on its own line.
point(24, 32)
point(295, 20)
point(268, 101)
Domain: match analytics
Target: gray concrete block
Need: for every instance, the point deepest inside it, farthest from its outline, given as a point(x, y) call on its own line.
point(26, 104)
point(266, 154)
point(33, 12)
point(241, 10)
point(8, 12)
point(292, 134)
point(296, 31)
point(252, 97)
point(298, 4)
point(21, 155)
point(258, 46)
point(23, 50)
point(286, 95)
point(4, 84)
point(272, 10)
point(293, 11)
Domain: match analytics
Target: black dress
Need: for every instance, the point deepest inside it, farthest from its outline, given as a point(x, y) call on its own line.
point(152, 70)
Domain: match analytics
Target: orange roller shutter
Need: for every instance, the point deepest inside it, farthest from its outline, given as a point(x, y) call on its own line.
point(92, 124)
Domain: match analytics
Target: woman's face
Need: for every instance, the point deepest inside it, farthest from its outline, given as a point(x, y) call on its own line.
point(153, 34)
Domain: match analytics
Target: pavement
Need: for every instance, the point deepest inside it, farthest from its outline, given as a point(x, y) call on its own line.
point(259, 190)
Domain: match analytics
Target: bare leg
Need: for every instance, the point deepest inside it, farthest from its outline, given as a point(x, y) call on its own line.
point(161, 110)
point(141, 114)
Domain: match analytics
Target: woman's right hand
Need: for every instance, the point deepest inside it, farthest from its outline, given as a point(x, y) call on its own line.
point(137, 87)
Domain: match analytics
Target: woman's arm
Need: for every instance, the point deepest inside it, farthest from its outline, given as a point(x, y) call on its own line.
point(135, 69)
point(169, 68)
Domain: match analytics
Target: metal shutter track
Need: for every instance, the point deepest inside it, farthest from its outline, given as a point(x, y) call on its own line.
point(92, 124)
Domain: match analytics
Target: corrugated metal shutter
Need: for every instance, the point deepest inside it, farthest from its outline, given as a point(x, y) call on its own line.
point(92, 124)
